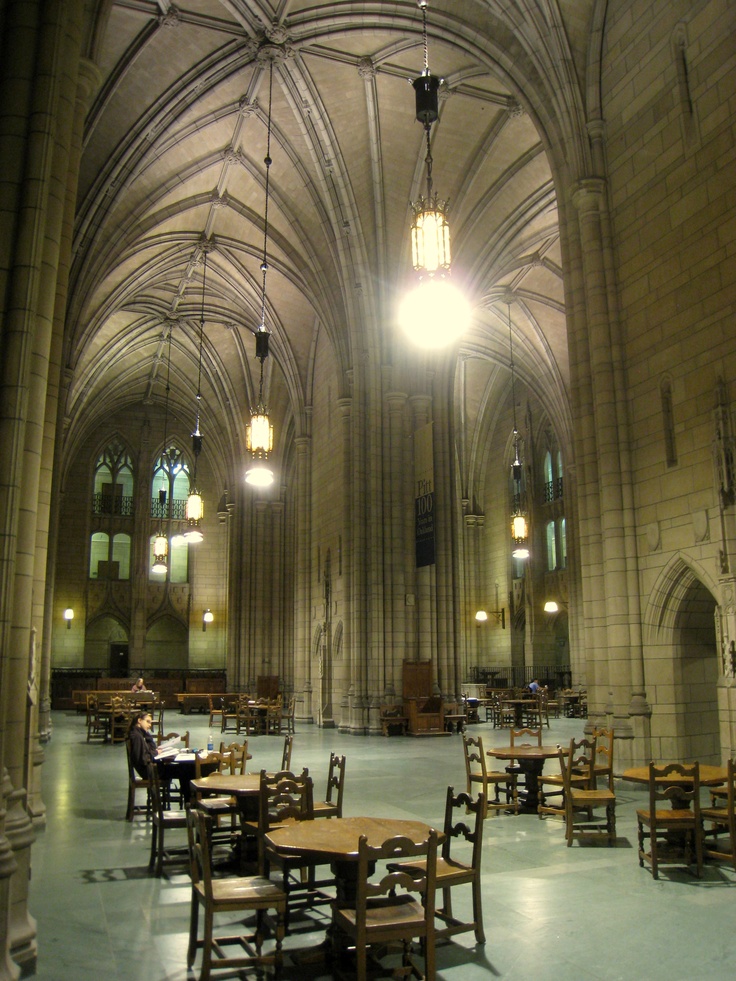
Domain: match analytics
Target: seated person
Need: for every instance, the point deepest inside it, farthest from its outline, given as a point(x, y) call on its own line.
point(140, 685)
point(143, 749)
point(534, 687)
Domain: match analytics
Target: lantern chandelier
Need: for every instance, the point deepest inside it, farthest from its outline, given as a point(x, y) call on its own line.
point(161, 541)
point(519, 526)
point(195, 505)
point(259, 434)
point(434, 313)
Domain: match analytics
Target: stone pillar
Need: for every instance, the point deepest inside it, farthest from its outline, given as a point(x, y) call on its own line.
point(617, 663)
point(302, 604)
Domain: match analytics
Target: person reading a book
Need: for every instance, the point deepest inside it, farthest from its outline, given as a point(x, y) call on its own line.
point(140, 685)
point(143, 747)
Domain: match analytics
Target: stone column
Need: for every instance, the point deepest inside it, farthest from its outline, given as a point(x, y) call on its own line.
point(302, 603)
point(617, 664)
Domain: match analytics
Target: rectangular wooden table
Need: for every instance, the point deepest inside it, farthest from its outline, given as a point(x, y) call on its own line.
point(710, 776)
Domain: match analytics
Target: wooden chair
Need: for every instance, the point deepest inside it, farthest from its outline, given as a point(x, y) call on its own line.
point(273, 716)
point(214, 710)
point(674, 832)
point(238, 753)
point(480, 778)
point(162, 819)
point(174, 735)
point(452, 872)
point(603, 766)
point(217, 806)
point(722, 817)
point(283, 797)
point(230, 714)
point(330, 807)
point(395, 908)
point(286, 754)
point(119, 719)
point(248, 716)
point(243, 894)
point(97, 724)
point(288, 717)
point(552, 785)
point(581, 795)
point(136, 783)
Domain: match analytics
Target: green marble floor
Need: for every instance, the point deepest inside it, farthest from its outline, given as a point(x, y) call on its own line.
point(552, 913)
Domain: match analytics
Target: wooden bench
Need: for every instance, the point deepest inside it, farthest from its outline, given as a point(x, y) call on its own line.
point(196, 701)
point(392, 717)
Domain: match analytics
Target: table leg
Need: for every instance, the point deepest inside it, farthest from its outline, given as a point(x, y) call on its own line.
point(529, 797)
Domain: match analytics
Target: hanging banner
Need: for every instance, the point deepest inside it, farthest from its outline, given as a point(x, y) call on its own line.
point(424, 496)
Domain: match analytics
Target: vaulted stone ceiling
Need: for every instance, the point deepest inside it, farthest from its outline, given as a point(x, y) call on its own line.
point(174, 157)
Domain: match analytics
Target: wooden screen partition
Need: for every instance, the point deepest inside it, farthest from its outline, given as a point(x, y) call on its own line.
point(424, 710)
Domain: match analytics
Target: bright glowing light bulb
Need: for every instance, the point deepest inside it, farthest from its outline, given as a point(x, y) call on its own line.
point(434, 314)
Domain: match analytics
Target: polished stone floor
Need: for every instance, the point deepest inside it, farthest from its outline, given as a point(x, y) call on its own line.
point(587, 913)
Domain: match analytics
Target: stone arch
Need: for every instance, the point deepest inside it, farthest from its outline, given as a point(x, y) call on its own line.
point(682, 663)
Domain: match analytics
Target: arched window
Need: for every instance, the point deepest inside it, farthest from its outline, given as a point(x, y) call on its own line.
point(558, 476)
point(109, 557)
point(113, 482)
point(170, 486)
point(121, 555)
point(563, 543)
point(551, 546)
point(668, 423)
point(169, 492)
point(98, 552)
point(549, 486)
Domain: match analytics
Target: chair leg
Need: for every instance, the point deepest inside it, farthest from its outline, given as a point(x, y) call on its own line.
point(154, 837)
point(207, 946)
point(193, 927)
point(480, 935)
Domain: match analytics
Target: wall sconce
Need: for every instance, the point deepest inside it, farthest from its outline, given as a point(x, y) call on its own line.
point(481, 617)
point(207, 617)
point(69, 616)
point(551, 606)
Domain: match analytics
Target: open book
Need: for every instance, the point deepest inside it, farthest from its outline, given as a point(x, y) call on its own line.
point(169, 748)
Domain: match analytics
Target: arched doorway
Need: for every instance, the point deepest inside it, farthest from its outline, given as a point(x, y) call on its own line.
point(682, 667)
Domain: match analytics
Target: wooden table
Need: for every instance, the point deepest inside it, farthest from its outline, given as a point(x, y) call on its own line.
point(710, 776)
point(245, 787)
point(335, 842)
point(518, 705)
point(531, 763)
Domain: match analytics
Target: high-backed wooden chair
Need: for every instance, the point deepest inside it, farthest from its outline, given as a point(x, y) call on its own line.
point(162, 820)
point(215, 709)
point(288, 716)
point(244, 894)
point(552, 785)
point(238, 753)
point(397, 907)
point(98, 725)
point(230, 714)
point(119, 719)
point(273, 716)
point(722, 818)
point(480, 778)
point(136, 783)
point(677, 786)
point(581, 795)
point(331, 806)
point(451, 871)
point(217, 806)
point(284, 797)
point(603, 766)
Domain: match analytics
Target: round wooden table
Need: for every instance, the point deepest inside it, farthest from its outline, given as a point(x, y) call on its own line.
point(335, 842)
point(531, 763)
